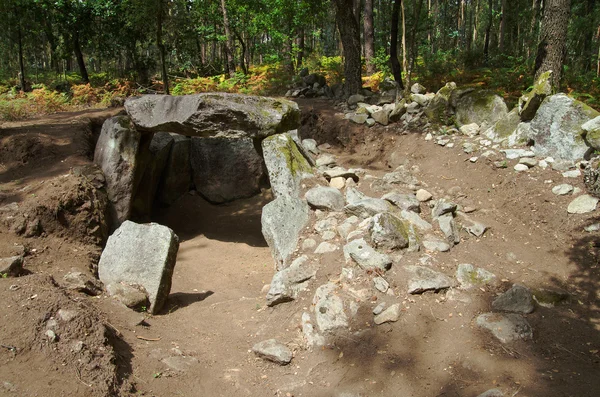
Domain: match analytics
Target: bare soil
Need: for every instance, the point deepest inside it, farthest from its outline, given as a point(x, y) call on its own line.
point(200, 344)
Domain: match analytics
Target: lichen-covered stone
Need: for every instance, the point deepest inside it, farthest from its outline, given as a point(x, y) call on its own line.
point(481, 107)
point(439, 111)
point(285, 165)
point(505, 127)
point(591, 131)
point(530, 102)
point(388, 232)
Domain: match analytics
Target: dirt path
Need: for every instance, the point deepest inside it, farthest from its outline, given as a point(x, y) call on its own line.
point(200, 344)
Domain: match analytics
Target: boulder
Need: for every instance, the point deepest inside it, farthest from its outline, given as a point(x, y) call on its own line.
point(282, 221)
point(157, 156)
point(507, 129)
point(481, 107)
point(388, 232)
point(365, 256)
point(325, 198)
point(288, 282)
point(226, 169)
point(118, 154)
point(530, 102)
point(214, 114)
point(425, 279)
point(439, 110)
point(591, 133)
point(518, 299)
point(417, 88)
point(143, 255)
point(556, 128)
point(285, 165)
point(177, 175)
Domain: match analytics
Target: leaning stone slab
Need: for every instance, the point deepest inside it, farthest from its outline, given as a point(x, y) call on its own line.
point(506, 327)
point(226, 169)
point(214, 114)
point(144, 255)
point(365, 256)
point(273, 351)
point(118, 156)
point(282, 220)
point(425, 279)
point(530, 102)
point(286, 166)
point(518, 299)
point(287, 282)
point(448, 227)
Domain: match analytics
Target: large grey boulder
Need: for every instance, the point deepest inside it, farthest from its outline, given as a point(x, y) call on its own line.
point(481, 107)
point(518, 299)
point(118, 156)
point(286, 166)
point(226, 169)
point(282, 221)
point(556, 128)
point(142, 255)
point(177, 175)
point(325, 198)
point(214, 114)
point(157, 156)
point(439, 111)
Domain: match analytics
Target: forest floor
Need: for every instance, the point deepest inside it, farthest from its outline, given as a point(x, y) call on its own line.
point(200, 345)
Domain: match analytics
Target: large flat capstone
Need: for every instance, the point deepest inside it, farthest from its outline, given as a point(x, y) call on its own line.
point(141, 255)
point(214, 114)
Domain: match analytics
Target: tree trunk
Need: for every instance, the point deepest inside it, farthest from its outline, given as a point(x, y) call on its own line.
point(533, 31)
point(242, 58)
point(350, 37)
point(161, 47)
point(300, 43)
point(404, 60)
point(79, 56)
point(413, 36)
point(488, 31)
point(588, 52)
point(396, 67)
point(22, 81)
point(369, 34)
point(502, 27)
point(552, 46)
point(229, 42)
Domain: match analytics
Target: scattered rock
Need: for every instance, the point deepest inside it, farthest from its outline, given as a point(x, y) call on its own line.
point(492, 393)
point(475, 228)
point(389, 315)
point(308, 244)
point(365, 256)
point(470, 130)
point(337, 182)
point(380, 284)
point(364, 206)
point(325, 248)
point(337, 172)
point(134, 297)
point(563, 189)
point(528, 161)
point(520, 167)
point(311, 146)
point(506, 327)
point(423, 195)
point(448, 227)
point(425, 279)
point(325, 160)
point(403, 201)
point(592, 228)
point(583, 204)
point(432, 243)
point(81, 282)
point(273, 351)
point(325, 198)
point(512, 154)
point(414, 219)
point(310, 335)
point(469, 276)
point(358, 118)
point(11, 267)
point(518, 299)
point(354, 99)
point(388, 232)
point(286, 283)
point(417, 88)
point(571, 174)
point(144, 255)
point(329, 308)
point(550, 297)
point(442, 207)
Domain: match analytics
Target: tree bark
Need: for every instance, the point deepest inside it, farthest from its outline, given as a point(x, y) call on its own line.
point(502, 26)
point(22, 80)
point(396, 67)
point(161, 47)
point(404, 60)
point(488, 31)
point(413, 36)
point(350, 37)
point(300, 43)
point(533, 31)
point(79, 56)
point(552, 46)
point(242, 58)
point(229, 39)
point(369, 35)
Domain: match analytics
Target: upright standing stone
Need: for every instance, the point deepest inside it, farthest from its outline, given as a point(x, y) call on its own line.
point(142, 255)
point(177, 176)
point(286, 166)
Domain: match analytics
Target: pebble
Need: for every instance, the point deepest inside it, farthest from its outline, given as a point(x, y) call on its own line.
point(572, 174)
point(592, 228)
point(379, 308)
point(338, 182)
point(520, 167)
point(389, 315)
point(562, 189)
point(473, 159)
point(308, 244)
point(328, 235)
point(543, 164)
point(428, 137)
point(273, 351)
point(51, 335)
point(380, 284)
point(528, 161)
point(423, 195)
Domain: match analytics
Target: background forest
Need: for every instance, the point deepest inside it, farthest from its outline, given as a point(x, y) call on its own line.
point(62, 54)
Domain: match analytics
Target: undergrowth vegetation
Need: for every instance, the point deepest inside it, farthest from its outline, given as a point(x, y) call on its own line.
point(52, 94)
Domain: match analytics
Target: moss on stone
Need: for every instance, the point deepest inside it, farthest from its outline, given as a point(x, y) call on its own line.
point(295, 162)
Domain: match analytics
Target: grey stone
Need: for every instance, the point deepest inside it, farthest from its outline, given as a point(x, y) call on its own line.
point(118, 154)
point(365, 256)
point(357, 118)
point(594, 227)
point(492, 393)
point(226, 169)
point(472, 226)
point(481, 107)
point(469, 276)
point(311, 146)
point(273, 351)
point(282, 221)
point(423, 195)
point(442, 207)
point(66, 315)
point(158, 154)
point(518, 299)
point(388, 232)
point(329, 308)
point(325, 198)
point(11, 267)
point(399, 111)
point(591, 131)
point(338, 182)
point(325, 248)
point(389, 315)
point(310, 335)
point(421, 99)
point(550, 297)
point(425, 279)
point(338, 172)
point(382, 116)
point(470, 130)
point(506, 327)
point(347, 226)
point(134, 297)
point(432, 243)
point(326, 224)
point(562, 189)
point(286, 283)
point(520, 167)
point(582, 204)
point(328, 235)
point(144, 255)
point(326, 160)
point(571, 174)
point(81, 282)
point(528, 161)
point(177, 175)
point(308, 244)
point(414, 219)
point(363, 206)
point(370, 122)
point(400, 176)
point(354, 99)
point(448, 227)
point(556, 127)
point(214, 114)
point(285, 164)
point(179, 363)
point(417, 88)
point(380, 284)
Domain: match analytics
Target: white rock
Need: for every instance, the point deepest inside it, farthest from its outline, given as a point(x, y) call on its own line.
point(582, 204)
point(572, 174)
point(562, 189)
point(520, 167)
point(325, 248)
point(337, 182)
point(423, 195)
